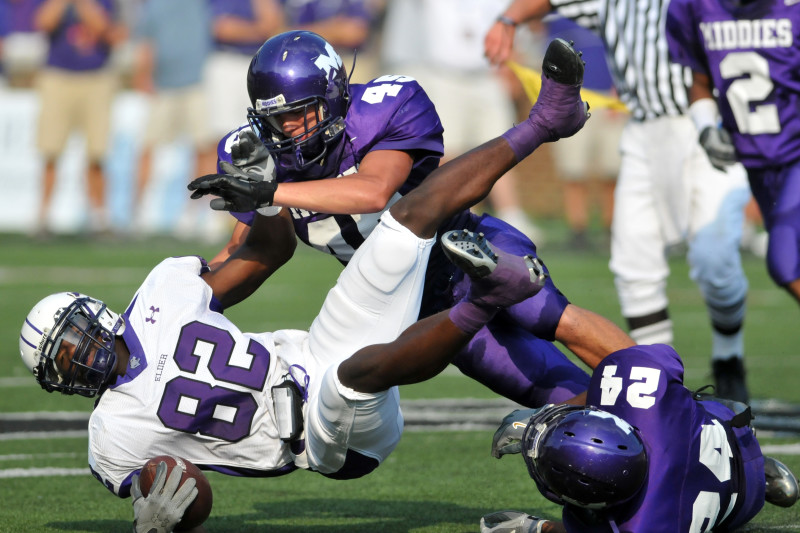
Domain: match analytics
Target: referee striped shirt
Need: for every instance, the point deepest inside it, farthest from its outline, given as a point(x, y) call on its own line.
point(637, 51)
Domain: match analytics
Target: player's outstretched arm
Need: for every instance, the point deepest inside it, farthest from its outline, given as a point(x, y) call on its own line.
point(267, 246)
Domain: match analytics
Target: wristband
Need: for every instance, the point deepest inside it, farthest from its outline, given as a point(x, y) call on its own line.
point(502, 19)
point(704, 113)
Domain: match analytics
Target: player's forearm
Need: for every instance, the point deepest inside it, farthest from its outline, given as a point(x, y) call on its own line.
point(701, 87)
point(268, 245)
point(341, 196)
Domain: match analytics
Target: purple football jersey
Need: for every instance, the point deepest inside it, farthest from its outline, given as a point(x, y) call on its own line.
point(703, 473)
point(75, 47)
point(752, 56)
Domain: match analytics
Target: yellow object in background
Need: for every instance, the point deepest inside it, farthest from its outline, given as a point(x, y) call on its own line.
point(532, 83)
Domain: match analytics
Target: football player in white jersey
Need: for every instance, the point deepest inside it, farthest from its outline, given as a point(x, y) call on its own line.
point(172, 374)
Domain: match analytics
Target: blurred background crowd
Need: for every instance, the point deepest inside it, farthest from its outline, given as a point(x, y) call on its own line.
point(109, 107)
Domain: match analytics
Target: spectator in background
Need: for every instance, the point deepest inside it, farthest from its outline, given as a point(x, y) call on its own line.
point(239, 28)
point(173, 43)
point(439, 42)
point(346, 24)
point(595, 152)
point(76, 89)
point(23, 48)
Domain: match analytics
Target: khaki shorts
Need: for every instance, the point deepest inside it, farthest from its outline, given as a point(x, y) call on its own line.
point(175, 112)
point(594, 151)
point(75, 101)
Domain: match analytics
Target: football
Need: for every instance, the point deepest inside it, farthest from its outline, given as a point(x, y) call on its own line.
point(200, 508)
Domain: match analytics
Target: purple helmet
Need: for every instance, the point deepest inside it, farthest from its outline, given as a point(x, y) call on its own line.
point(298, 71)
point(584, 456)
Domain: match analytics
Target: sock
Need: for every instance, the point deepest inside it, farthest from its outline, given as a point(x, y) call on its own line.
point(470, 318)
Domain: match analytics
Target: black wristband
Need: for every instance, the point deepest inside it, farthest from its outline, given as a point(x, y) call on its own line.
point(507, 21)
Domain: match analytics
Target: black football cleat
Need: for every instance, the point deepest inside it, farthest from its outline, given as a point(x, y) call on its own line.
point(782, 489)
point(562, 63)
point(729, 379)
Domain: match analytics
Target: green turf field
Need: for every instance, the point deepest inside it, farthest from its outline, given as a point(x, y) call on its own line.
point(436, 481)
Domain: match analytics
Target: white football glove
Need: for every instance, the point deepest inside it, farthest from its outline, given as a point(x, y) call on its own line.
point(511, 522)
point(508, 437)
point(164, 506)
point(717, 143)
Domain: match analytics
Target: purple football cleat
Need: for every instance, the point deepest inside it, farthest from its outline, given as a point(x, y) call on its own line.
point(498, 279)
point(559, 111)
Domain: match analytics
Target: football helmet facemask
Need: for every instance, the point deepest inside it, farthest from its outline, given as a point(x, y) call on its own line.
point(299, 72)
point(584, 456)
point(68, 343)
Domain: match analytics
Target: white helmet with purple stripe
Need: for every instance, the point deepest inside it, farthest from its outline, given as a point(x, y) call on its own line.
point(67, 341)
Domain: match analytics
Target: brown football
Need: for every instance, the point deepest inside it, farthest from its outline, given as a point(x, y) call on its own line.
point(200, 508)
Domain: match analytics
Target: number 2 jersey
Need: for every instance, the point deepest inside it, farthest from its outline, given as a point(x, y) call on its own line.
point(196, 386)
point(703, 473)
point(752, 55)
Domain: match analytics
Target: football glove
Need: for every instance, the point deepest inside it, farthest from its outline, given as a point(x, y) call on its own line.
point(237, 190)
point(164, 506)
point(511, 522)
point(508, 437)
point(250, 155)
point(717, 143)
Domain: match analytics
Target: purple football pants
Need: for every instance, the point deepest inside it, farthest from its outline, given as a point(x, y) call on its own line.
point(777, 191)
point(514, 355)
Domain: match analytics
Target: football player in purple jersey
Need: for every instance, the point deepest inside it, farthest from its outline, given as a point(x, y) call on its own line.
point(644, 454)
point(744, 56)
point(380, 140)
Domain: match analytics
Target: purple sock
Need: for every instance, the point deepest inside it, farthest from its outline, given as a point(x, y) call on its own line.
point(525, 137)
point(470, 317)
point(557, 113)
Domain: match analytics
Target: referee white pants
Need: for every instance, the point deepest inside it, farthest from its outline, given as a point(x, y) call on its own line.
point(668, 192)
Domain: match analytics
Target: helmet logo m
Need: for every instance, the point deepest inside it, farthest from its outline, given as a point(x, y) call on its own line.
point(329, 62)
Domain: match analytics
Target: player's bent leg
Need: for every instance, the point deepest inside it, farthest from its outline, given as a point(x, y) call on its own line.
point(376, 297)
point(349, 433)
point(519, 366)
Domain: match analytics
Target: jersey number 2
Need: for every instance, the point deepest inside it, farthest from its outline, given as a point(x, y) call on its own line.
point(743, 92)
